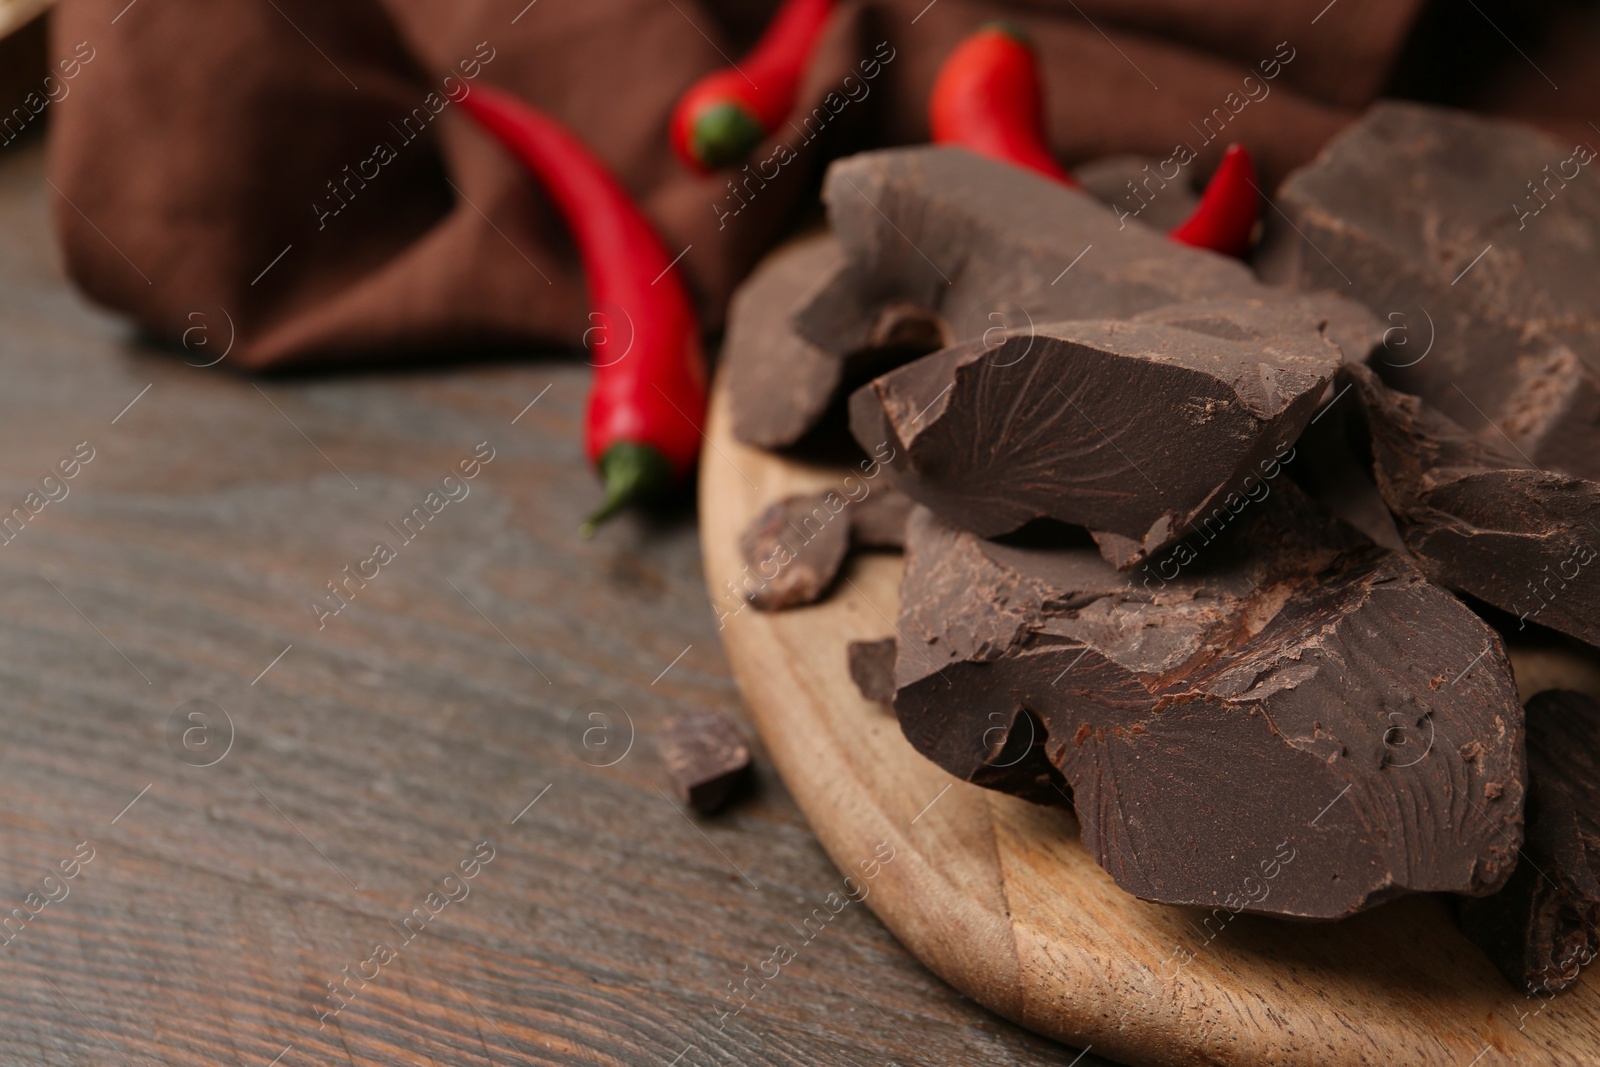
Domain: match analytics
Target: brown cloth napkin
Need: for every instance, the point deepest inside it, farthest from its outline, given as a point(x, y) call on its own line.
point(300, 165)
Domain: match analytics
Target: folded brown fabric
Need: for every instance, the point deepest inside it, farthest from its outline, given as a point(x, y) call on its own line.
point(302, 166)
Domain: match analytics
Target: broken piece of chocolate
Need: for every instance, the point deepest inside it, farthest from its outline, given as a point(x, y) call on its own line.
point(781, 383)
point(1142, 430)
point(1480, 519)
point(1284, 698)
point(878, 520)
point(872, 668)
point(793, 549)
point(992, 246)
point(1544, 926)
point(935, 245)
point(804, 330)
point(1478, 242)
point(706, 758)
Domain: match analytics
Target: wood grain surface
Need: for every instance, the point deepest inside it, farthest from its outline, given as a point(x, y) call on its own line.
point(999, 896)
point(367, 759)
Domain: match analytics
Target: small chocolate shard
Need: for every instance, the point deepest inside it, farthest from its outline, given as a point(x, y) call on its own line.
point(1478, 241)
point(1480, 519)
point(793, 550)
point(1141, 430)
point(1544, 926)
point(1261, 702)
point(878, 520)
point(706, 758)
point(872, 668)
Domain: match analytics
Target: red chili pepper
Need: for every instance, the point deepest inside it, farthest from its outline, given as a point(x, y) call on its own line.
point(642, 427)
point(1225, 218)
point(721, 117)
point(988, 98)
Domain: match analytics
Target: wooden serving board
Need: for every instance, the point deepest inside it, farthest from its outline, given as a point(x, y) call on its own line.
point(999, 898)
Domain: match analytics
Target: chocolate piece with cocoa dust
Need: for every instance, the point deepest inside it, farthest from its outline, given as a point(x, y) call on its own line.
point(1287, 694)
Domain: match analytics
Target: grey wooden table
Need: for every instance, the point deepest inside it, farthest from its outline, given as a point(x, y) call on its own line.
point(280, 818)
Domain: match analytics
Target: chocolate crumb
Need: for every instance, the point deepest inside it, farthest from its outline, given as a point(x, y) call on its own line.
point(793, 549)
point(872, 668)
point(705, 757)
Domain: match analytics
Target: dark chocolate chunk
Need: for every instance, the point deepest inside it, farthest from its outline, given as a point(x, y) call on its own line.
point(1478, 241)
point(991, 246)
point(1270, 721)
point(706, 758)
point(1480, 519)
point(1544, 926)
point(872, 668)
point(794, 548)
point(994, 247)
point(878, 520)
point(933, 246)
point(870, 323)
point(1141, 430)
point(804, 330)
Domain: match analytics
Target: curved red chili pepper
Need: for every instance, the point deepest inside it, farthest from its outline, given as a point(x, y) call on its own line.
point(642, 427)
point(1225, 218)
point(721, 117)
point(988, 98)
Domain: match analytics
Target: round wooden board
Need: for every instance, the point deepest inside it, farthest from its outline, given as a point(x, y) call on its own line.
point(999, 898)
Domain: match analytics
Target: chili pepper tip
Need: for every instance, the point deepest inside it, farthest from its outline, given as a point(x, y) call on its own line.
point(724, 134)
point(632, 472)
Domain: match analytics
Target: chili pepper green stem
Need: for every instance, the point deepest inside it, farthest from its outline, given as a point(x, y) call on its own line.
point(632, 472)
